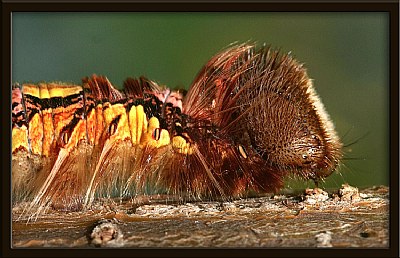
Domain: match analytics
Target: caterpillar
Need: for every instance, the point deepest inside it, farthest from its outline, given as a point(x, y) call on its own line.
point(250, 118)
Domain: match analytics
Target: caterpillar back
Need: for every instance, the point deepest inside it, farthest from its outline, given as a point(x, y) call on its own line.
point(250, 118)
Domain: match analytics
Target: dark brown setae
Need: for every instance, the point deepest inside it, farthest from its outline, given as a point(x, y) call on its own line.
point(250, 118)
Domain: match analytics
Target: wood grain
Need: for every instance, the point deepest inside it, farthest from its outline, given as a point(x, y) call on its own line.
point(338, 218)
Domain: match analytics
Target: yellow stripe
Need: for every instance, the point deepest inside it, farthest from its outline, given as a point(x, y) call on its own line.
point(110, 114)
point(133, 125)
point(50, 90)
point(141, 122)
point(137, 123)
point(57, 90)
point(31, 89)
point(147, 138)
point(44, 91)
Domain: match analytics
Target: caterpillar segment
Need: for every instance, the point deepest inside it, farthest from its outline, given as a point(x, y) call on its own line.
point(84, 139)
point(250, 118)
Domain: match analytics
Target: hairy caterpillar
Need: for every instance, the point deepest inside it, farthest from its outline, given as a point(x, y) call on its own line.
point(250, 118)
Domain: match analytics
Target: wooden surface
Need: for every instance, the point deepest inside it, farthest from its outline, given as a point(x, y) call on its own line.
point(341, 218)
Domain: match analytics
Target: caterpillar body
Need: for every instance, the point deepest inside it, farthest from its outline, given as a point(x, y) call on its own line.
point(250, 118)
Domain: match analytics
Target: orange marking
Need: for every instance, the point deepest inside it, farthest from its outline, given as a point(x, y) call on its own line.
point(20, 138)
point(78, 133)
point(91, 126)
point(36, 133)
point(61, 118)
point(99, 123)
point(48, 132)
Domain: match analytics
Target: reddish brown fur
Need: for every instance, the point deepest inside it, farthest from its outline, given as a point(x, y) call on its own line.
point(251, 117)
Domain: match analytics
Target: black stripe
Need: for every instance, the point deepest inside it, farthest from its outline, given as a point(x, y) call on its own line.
point(66, 101)
point(14, 105)
point(114, 124)
point(54, 102)
point(17, 121)
point(34, 103)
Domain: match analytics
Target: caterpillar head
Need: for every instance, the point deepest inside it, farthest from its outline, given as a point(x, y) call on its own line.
point(266, 103)
point(285, 119)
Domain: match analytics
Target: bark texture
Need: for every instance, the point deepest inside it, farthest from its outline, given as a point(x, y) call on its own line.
point(341, 218)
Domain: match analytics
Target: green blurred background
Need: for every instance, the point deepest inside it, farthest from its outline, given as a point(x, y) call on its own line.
point(347, 55)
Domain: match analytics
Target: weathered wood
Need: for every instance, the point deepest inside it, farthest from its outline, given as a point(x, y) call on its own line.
point(344, 218)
